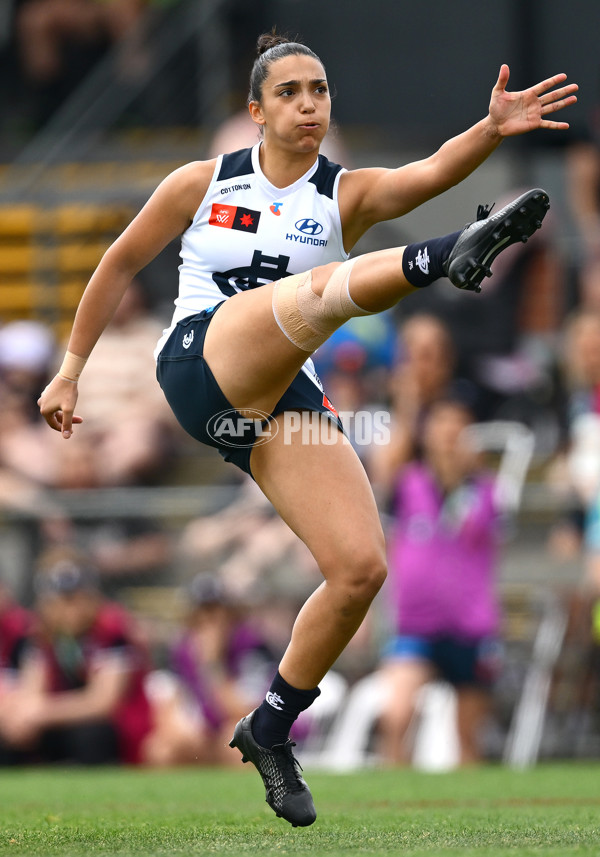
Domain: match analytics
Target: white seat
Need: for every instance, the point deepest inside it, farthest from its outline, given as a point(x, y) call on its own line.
point(321, 714)
point(347, 745)
point(436, 745)
point(436, 742)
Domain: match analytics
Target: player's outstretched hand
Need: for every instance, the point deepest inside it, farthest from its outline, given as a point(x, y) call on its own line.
point(515, 113)
point(57, 405)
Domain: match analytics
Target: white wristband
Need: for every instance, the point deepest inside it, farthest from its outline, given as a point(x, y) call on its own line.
point(72, 367)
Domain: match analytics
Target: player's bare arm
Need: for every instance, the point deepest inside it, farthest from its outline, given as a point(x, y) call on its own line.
point(371, 195)
point(168, 212)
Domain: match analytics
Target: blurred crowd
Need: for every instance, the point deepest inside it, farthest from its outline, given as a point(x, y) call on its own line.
point(49, 46)
point(86, 676)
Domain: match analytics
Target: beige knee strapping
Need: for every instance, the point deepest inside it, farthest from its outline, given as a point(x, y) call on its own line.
point(307, 319)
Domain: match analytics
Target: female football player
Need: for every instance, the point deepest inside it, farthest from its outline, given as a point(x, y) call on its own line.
point(265, 279)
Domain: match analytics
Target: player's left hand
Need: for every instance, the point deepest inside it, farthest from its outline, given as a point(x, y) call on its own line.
point(515, 113)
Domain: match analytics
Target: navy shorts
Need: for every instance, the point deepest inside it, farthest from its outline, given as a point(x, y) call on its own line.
point(200, 406)
point(459, 662)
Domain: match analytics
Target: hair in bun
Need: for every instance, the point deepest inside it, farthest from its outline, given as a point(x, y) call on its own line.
point(271, 47)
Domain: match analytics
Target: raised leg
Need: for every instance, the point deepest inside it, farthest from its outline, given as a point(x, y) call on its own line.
point(252, 359)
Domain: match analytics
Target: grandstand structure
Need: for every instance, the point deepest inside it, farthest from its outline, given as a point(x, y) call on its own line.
point(68, 193)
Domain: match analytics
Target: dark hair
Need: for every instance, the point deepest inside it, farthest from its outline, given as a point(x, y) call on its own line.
point(460, 395)
point(271, 47)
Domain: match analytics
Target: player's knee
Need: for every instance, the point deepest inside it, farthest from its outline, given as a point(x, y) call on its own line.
point(321, 275)
point(364, 575)
point(308, 313)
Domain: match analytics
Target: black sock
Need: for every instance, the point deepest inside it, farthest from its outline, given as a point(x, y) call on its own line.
point(275, 715)
point(423, 262)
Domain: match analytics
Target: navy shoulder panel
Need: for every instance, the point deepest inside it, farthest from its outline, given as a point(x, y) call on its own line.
point(236, 164)
point(324, 177)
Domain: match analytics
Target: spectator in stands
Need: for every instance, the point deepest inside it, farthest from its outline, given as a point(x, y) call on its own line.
point(46, 27)
point(222, 665)
point(422, 373)
point(583, 183)
point(15, 629)
point(442, 565)
point(134, 448)
point(505, 343)
point(575, 470)
point(354, 365)
point(81, 696)
point(574, 475)
point(59, 41)
point(249, 543)
point(130, 429)
point(27, 350)
point(583, 190)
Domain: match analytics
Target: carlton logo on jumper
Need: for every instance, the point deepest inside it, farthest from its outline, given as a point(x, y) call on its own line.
point(188, 339)
point(230, 428)
point(234, 217)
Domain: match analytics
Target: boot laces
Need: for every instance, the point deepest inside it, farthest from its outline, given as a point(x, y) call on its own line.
point(289, 767)
point(484, 211)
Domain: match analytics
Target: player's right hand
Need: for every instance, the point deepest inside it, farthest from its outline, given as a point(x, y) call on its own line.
point(57, 405)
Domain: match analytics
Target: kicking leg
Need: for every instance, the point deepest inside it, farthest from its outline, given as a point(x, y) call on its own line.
point(270, 331)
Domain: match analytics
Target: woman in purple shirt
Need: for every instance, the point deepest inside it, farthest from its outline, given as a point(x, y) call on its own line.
point(442, 566)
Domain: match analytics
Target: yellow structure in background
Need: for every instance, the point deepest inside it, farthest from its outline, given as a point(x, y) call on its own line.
point(48, 254)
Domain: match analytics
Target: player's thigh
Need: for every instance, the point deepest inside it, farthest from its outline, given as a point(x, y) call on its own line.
point(251, 359)
point(322, 492)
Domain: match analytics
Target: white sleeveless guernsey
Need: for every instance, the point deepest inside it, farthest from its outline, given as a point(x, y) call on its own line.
point(247, 232)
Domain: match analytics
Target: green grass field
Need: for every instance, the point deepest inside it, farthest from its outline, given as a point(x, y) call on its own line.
point(491, 811)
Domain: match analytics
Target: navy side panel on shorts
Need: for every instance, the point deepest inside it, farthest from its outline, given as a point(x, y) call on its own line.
point(185, 378)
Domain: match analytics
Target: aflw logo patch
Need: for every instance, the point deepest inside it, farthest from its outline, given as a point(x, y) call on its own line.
point(234, 217)
point(328, 404)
